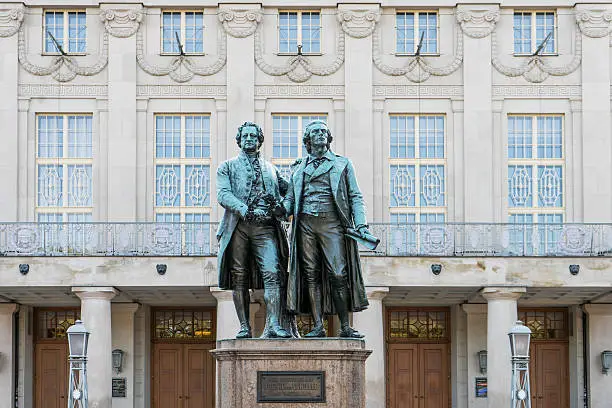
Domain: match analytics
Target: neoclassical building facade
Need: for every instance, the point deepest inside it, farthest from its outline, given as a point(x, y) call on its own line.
point(481, 137)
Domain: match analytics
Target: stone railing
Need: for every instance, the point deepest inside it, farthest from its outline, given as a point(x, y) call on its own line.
point(198, 239)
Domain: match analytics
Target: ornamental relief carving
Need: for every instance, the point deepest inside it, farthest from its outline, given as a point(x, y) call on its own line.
point(358, 23)
point(298, 68)
point(536, 68)
point(121, 23)
point(10, 20)
point(418, 68)
point(477, 23)
point(240, 23)
point(595, 23)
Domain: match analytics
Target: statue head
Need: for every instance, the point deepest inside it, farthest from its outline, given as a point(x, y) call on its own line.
point(317, 133)
point(250, 137)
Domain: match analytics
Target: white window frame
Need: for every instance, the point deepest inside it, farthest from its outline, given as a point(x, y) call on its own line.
point(417, 162)
point(66, 37)
point(534, 43)
point(63, 161)
point(299, 31)
point(534, 162)
point(182, 31)
point(181, 161)
point(417, 36)
point(287, 161)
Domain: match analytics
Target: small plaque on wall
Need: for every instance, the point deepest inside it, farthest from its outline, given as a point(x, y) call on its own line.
point(481, 387)
point(119, 387)
point(290, 386)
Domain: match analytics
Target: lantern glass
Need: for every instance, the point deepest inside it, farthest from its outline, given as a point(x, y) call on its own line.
point(117, 359)
point(520, 336)
point(78, 337)
point(482, 361)
point(606, 361)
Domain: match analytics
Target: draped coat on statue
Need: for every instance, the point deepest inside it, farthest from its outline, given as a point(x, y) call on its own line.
point(234, 184)
point(351, 211)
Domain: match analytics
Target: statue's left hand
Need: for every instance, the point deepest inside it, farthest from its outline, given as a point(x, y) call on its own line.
point(363, 229)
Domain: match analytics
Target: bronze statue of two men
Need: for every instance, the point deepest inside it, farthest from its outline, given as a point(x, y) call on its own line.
point(324, 201)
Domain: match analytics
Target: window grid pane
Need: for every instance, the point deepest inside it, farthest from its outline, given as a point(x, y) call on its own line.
point(79, 136)
point(194, 29)
point(50, 136)
point(545, 24)
point(171, 24)
point(77, 31)
point(522, 33)
point(311, 32)
point(405, 33)
point(288, 31)
point(54, 24)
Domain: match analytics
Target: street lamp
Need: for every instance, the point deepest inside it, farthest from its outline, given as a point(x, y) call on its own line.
point(520, 336)
point(482, 361)
point(78, 339)
point(117, 360)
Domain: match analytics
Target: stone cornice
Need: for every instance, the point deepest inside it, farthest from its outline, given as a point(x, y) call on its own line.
point(502, 292)
point(477, 22)
point(95, 292)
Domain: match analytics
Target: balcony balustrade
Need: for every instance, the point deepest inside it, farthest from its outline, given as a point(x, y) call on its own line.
point(198, 239)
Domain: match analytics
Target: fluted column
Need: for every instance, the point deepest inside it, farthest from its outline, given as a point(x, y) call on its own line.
point(501, 316)
point(477, 23)
point(7, 356)
point(96, 316)
point(371, 323)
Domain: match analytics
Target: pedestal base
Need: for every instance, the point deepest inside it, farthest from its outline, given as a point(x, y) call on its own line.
point(291, 369)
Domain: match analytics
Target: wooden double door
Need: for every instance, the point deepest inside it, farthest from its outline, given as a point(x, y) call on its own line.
point(549, 374)
point(183, 375)
point(51, 375)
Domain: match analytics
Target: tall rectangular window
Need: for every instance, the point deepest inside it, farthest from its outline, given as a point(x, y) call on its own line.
point(299, 29)
point(182, 177)
point(64, 168)
point(287, 134)
point(536, 177)
point(534, 31)
point(411, 26)
point(186, 27)
point(417, 170)
point(68, 29)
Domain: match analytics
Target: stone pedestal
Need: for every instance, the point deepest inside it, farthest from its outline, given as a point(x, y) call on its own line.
point(341, 360)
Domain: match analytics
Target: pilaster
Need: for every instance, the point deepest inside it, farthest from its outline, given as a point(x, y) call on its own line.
point(121, 21)
point(25, 191)
point(477, 22)
point(240, 23)
point(358, 22)
point(370, 323)
point(96, 316)
point(595, 22)
point(501, 316)
point(599, 333)
point(123, 338)
point(476, 341)
point(7, 355)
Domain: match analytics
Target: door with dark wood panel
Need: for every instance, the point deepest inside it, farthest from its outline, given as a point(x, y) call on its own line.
point(51, 367)
point(51, 373)
point(549, 356)
point(183, 374)
point(418, 373)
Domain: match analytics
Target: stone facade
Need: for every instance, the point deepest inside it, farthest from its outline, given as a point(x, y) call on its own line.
point(474, 79)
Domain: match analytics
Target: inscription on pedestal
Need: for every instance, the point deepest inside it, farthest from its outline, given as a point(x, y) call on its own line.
point(290, 386)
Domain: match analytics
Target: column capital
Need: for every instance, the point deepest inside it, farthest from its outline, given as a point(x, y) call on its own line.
point(125, 307)
point(221, 295)
point(477, 21)
point(8, 308)
point(121, 21)
point(502, 292)
point(95, 292)
point(597, 309)
point(594, 21)
point(240, 22)
point(376, 292)
point(474, 308)
point(358, 20)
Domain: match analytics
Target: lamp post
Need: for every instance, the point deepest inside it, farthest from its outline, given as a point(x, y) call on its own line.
point(519, 347)
point(78, 338)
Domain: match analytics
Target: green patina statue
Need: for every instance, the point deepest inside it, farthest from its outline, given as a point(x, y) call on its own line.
point(253, 249)
point(326, 204)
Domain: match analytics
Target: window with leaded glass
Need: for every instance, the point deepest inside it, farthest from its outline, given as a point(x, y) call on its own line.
point(531, 28)
point(186, 26)
point(545, 324)
point(410, 26)
point(299, 29)
point(287, 133)
point(68, 29)
point(422, 324)
point(536, 165)
point(305, 324)
point(64, 159)
point(183, 324)
point(52, 324)
point(182, 178)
